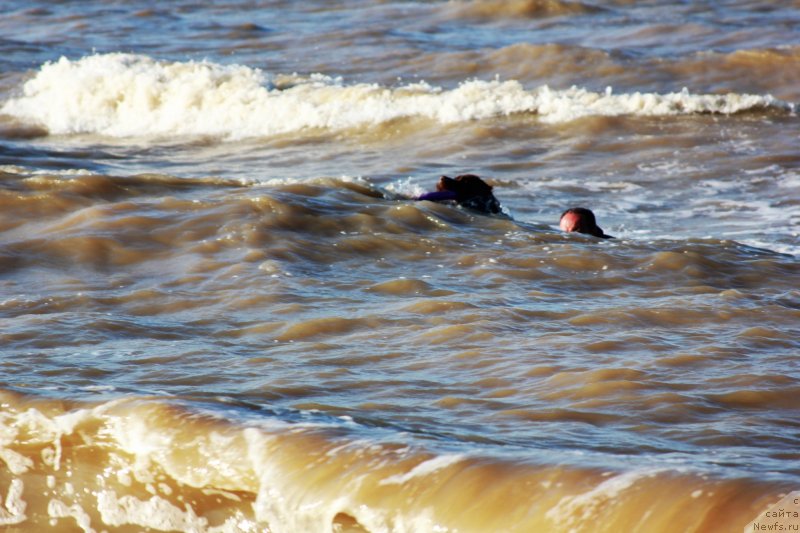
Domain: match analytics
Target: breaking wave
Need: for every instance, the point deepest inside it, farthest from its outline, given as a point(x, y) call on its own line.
point(147, 464)
point(126, 95)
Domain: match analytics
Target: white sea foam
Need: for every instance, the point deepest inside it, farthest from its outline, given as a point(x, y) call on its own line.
point(13, 512)
point(405, 188)
point(573, 510)
point(423, 469)
point(126, 95)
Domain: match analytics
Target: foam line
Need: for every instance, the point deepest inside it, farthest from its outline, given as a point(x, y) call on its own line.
point(126, 95)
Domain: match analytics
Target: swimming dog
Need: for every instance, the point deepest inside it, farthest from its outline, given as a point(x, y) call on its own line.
point(467, 190)
point(581, 220)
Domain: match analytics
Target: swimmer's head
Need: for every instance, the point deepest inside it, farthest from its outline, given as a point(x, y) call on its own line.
point(581, 220)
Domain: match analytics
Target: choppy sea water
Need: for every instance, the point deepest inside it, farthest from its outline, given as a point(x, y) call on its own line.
point(221, 308)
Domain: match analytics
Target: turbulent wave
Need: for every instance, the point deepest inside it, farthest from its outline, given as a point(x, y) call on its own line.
point(149, 464)
point(124, 95)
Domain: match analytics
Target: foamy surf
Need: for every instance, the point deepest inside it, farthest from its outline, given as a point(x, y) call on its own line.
point(126, 95)
point(140, 463)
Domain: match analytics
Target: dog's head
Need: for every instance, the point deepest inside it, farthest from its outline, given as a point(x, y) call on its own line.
point(470, 191)
point(465, 185)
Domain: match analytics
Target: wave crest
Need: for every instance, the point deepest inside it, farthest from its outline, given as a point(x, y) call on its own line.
point(148, 464)
point(125, 95)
